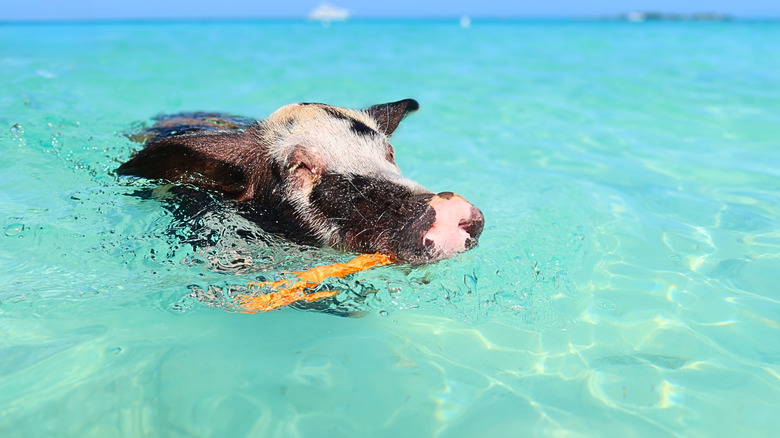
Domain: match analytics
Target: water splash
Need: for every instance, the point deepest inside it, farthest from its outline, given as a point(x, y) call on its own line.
point(14, 230)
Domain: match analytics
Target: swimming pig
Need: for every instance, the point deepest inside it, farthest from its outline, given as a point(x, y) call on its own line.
point(329, 172)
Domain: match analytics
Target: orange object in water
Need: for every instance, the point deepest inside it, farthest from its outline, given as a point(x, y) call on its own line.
point(288, 292)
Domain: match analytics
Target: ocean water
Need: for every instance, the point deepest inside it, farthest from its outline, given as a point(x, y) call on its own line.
point(626, 283)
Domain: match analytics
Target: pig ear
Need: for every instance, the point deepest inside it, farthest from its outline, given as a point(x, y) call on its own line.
point(389, 115)
point(212, 161)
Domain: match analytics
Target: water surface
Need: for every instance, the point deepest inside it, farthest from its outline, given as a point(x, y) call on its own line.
point(625, 284)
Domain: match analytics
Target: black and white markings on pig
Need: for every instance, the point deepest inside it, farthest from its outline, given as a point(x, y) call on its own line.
point(361, 128)
point(356, 126)
point(290, 122)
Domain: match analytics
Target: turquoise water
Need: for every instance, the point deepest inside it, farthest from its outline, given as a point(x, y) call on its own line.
point(626, 283)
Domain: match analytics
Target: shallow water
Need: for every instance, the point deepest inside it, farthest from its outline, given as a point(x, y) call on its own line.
point(625, 284)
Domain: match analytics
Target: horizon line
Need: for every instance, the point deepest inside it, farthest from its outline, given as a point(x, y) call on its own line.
point(616, 17)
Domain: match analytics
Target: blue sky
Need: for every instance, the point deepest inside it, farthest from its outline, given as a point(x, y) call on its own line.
point(151, 9)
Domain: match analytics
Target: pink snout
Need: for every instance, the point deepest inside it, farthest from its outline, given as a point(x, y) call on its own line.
point(456, 228)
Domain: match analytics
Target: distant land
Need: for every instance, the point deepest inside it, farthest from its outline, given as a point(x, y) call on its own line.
point(640, 16)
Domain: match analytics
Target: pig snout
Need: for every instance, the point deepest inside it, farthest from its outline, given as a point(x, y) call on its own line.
point(449, 225)
point(457, 225)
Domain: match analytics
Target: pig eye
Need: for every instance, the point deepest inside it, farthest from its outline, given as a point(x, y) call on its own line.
point(390, 153)
point(295, 169)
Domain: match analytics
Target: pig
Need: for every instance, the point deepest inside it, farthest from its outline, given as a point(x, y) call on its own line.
point(327, 172)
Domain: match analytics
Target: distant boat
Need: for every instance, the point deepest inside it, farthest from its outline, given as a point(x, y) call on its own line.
point(327, 13)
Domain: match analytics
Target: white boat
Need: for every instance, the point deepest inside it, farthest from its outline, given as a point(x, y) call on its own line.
point(328, 13)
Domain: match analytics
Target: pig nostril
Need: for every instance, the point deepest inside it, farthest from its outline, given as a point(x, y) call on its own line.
point(470, 226)
point(428, 244)
point(473, 224)
point(471, 243)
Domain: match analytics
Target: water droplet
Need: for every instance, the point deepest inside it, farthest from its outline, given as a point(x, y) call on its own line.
point(383, 313)
point(17, 130)
point(604, 304)
point(471, 282)
point(14, 230)
point(400, 287)
point(511, 301)
point(89, 292)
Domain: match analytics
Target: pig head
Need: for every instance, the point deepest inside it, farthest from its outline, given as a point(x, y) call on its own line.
point(329, 171)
